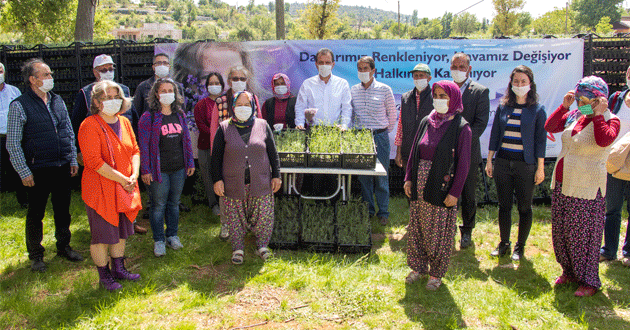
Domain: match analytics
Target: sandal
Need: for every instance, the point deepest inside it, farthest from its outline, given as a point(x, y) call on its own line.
point(264, 253)
point(625, 261)
point(585, 291)
point(563, 279)
point(412, 277)
point(434, 283)
point(237, 257)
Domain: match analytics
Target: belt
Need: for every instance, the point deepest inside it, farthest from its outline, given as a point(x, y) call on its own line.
point(379, 131)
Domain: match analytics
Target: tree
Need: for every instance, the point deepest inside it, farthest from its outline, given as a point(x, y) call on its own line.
point(604, 26)
point(40, 21)
point(465, 24)
point(524, 22)
point(505, 22)
point(590, 12)
point(272, 6)
point(178, 13)
point(446, 21)
point(264, 24)
point(553, 22)
point(428, 29)
point(319, 16)
point(414, 17)
point(84, 22)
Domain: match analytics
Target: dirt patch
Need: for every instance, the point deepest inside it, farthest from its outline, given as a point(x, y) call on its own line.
point(218, 272)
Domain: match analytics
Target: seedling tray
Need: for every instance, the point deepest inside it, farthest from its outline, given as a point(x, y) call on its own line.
point(286, 228)
point(358, 149)
point(359, 161)
point(324, 160)
point(292, 158)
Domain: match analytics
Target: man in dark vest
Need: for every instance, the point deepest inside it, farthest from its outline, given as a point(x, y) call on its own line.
point(103, 69)
point(414, 105)
point(476, 100)
point(41, 146)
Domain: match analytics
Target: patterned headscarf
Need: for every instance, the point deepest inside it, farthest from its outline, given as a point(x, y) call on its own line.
point(454, 104)
point(591, 87)
point(287, 81)
point(250, 121)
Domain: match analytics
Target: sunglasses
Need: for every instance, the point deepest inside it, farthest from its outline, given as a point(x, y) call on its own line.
point(238, 78)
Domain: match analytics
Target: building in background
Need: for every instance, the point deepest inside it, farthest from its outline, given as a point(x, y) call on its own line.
point(148, 31)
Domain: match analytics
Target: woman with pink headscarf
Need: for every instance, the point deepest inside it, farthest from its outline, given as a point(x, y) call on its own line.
point(578, 205)
point(280, 109)
point(439, 159)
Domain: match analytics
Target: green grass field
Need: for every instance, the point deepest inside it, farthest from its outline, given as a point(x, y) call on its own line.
point(198, 287)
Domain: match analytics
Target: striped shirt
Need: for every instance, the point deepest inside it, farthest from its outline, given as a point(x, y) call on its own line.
point(15, 128)
point(7, 94)
point(512, 144)
point(373, 107)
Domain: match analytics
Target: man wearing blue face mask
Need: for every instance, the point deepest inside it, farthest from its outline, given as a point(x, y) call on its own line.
point(9, 180)
point(41, 144)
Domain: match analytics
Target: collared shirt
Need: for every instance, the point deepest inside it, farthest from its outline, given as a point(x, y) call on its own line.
point(332, 101)
point(7, 94)
point(373, 107)
point(16, 121)
point(465, 85)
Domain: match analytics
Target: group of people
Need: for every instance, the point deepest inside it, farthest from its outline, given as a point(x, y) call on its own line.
point(119, 140)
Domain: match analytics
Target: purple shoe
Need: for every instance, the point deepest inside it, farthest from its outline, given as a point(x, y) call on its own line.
point(120, 272)
point(107, 280)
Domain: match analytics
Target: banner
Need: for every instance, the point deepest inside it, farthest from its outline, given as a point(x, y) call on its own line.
point(556, 63)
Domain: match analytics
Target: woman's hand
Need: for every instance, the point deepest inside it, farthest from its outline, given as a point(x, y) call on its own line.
point(219, 189)
point(600, 107)
point(489, 168)
point(276, 183)
point(147, 178)
point(398, 158)
point(569, 98)
point(190, 171)
point(539, 177)
point(450, 200)
point(407, 188)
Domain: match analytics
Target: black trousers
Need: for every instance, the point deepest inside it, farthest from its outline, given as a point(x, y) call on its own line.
point(469, 201)
point(53, 181)
point(514, 178)
point(9, 179)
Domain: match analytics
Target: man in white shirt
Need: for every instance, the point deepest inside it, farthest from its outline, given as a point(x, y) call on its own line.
point(327, 93)
point(9, 179)
point(374, 108)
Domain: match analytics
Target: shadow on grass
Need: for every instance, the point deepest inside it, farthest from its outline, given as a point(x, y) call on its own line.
point(618, 291)
point(520, 277)
point(434, 310)
point(465, 263)
point(596, 312)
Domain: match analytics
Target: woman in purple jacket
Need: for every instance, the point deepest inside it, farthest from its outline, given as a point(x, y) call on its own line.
point(165, 160)
point(246, 173)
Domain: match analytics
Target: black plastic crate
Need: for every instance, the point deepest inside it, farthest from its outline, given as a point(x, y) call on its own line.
point(353, 229)
point(359, 161)
point(286, 228)
point(292, 159)
point(324, 160)
point(319, 247)
point(317, 225)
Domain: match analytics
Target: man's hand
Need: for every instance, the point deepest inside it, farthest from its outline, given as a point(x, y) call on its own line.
point(28, 181)
point(74, 170)
point(147, 178)
point(190, 171)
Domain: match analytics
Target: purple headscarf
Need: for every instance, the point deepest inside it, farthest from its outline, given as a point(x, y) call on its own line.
point(454, 104)
point(287, 81)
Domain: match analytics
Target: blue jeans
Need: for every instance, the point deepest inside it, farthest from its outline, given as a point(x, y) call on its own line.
point(615, 193)
point(378, 185)
point(165, 204)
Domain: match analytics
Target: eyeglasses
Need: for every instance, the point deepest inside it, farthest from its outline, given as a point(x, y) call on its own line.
point(161, 63)
point(105, 70)
point(238, 79)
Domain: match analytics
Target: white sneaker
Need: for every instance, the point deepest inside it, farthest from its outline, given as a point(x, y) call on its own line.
point(225, 232)
point(174, 243)
point(159, 248)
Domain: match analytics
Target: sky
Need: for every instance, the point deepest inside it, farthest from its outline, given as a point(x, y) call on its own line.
point(483, 9)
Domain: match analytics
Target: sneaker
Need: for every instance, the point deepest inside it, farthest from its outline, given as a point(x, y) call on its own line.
point(383, 220)
point(174, 243)
point(159, 248)
point(225, 232)
point(216, 210)
point(465, 242)
point(519, 252)
point(501, 250)
point(38, 265)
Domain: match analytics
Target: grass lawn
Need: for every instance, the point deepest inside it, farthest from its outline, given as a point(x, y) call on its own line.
point(198, 287)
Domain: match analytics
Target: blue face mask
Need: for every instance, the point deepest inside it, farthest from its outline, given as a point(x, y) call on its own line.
point(586, 109)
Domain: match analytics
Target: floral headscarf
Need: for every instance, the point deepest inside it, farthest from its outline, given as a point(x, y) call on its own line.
point(250, 121)
point(287, 81)
point(454, 105)
point(591, 87)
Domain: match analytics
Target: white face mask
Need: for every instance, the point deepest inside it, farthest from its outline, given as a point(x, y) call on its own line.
point(458, 76)
point(109, 75)
point(1, 78)
point(364, 77)
point(215, 89)
point(281, 89)
point(243, 112)
point(421, 84)
point(239, 86)
point(520, 91)
point(627, 82)
point(47, 86)
point(161, 71)
point(324, 70)
point(167, 98)
point(112, 107)
point(440, 105)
